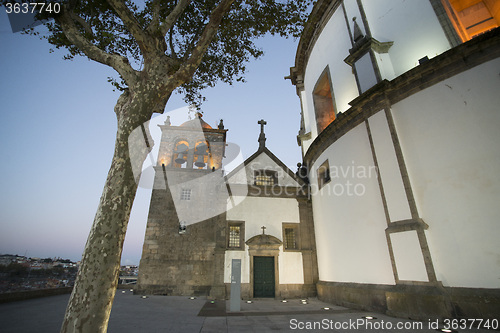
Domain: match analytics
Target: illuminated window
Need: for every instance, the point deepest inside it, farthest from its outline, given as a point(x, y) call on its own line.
point(323, 101)
point(266, 177)
point(290, 236)
point(323, 174)
point(472, 17)
point(186, 195)
point(236, 232)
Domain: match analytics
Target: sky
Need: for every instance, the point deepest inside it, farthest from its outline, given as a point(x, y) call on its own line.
point(58, 130)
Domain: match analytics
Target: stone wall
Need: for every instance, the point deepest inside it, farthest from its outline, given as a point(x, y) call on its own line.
point(419, 302)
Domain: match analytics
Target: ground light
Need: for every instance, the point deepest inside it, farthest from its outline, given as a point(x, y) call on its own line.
point(369, 317)
point(284, 301)
point(249, 302)
point(213, 302)
point(192, 297)
point(446, 330)
point(326, 308)
point(144, 297)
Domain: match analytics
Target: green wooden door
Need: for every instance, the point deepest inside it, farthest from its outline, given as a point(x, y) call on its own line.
point(263, 276)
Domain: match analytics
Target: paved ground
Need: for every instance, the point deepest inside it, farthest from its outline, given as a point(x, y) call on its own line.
point(132, 313)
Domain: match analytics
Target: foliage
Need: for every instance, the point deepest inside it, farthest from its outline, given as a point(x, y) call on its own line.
point(225, 58)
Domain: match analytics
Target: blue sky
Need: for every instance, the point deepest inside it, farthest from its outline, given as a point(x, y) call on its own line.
point(58, 129)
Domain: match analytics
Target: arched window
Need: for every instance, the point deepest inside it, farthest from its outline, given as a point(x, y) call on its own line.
point(181, 154)
point(471, 18)
point(323, 101)
point(201, 155)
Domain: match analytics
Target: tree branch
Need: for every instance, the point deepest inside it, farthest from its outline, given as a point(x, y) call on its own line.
point(173, 16)
point(117, 62)
point(155, 20)
point(82, 22)
point(143, 39)
point(188, 68)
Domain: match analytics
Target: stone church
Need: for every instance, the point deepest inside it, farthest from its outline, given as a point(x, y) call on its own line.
point(200, 219)
point(396, 207)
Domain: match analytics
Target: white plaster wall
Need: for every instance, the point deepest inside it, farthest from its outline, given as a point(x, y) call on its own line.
point(290, 267)
point(331, 48)
point(450, 138)
point(245, 265)
point(395, 195)
point(366, 73)
point(304, 100)
point(408, 256)
point(271, 213)
point(385, 66)
point(412, 26)
point(350, 229)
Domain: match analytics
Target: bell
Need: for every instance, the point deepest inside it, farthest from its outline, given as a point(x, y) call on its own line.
point(180, 159)
point(199, 162)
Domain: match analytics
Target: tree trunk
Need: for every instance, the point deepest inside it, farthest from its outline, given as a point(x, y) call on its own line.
point(90, 303)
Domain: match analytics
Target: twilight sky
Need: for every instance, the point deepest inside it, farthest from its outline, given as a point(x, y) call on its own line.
point(58, 129)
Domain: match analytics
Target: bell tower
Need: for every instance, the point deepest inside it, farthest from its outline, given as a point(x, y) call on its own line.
point(186, 221)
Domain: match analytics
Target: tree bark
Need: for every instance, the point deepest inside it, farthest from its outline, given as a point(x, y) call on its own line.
point(92, 297)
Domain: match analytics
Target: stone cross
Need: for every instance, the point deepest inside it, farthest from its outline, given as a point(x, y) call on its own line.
point(263, 229)
point(262, 122)
point(262, 136)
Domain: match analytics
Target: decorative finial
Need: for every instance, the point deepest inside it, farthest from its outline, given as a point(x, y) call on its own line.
point(167, 121)
point(262, 136)
point(263, 230)
point(357, 31)
point(221, 125)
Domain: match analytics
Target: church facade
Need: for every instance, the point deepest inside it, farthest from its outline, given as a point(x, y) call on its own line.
point(399, 134)
point(200, 219)
point(396, 207)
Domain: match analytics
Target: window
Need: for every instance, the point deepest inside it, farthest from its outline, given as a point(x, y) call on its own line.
point(181, 154)
point(186, 195)
point(471, 18)
point(235, 235)
point(290, 236)
point(323, 101)
point(201, 153)
point(266, 177)
point(323, 174)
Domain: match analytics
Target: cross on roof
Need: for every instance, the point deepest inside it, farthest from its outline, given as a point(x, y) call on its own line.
point(262, 122)
point(262, 136)
point(263, 229)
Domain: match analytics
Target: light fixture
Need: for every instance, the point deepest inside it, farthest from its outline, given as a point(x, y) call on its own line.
point(144, 297)
point(446, 330)
point(284, 301)
point(131, 290)
point(369, 317)
point(249, 302)
point(213, 302)
point(182, 227)
point(192, 297)
point(123, 291)
point(326, 308)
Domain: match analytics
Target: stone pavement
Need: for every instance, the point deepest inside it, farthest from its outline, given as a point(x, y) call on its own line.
point(132, 313)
